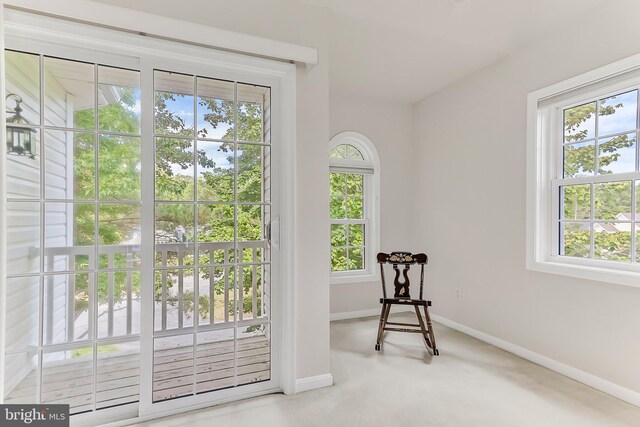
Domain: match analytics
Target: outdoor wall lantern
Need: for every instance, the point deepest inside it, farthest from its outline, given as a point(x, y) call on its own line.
point(19, 131)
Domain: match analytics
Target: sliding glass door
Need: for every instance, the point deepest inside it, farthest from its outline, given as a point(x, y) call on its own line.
point(212, 201)
point(85, 179)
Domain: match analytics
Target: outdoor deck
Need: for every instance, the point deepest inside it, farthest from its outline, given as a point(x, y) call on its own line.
point(71, 381)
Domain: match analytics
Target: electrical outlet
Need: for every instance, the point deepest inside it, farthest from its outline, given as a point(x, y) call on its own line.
point(458, 294)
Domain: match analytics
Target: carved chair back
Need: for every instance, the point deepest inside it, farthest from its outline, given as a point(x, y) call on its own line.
point(404, 261)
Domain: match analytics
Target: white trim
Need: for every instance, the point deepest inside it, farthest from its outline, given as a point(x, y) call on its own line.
point(184, 409)
point(371, 204)
point(581, 376)
point(168, 28)
point(542, 158)
point(287, 237)
point(355, 276)
point(3, 211)
point(312, 383)
point(344, 315)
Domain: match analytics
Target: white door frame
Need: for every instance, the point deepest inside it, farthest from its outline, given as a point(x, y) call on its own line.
point(79, 41)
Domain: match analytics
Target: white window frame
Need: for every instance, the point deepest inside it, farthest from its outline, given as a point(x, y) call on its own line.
point(57, 37)
point(371, 209)
point(544, 172)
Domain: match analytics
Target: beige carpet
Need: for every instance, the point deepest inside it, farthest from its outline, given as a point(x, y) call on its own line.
point(469, 384)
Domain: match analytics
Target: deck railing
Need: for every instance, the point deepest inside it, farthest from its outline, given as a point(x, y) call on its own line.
point(172, 260)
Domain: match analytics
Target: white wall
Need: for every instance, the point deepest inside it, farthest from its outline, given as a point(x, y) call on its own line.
point(470, 142)
point(389, 126)
point(306, 25)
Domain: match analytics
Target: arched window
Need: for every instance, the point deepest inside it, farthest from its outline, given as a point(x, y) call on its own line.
point(354, 207)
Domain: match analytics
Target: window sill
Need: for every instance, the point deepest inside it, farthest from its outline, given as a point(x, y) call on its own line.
point(353, 277)
point(562, 267)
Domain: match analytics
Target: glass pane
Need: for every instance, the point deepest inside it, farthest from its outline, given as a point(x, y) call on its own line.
point(355, 185)
point(249, 222)
point(23, 237)
point(637, 242)
point(576, 239)
point(638, 203)
point(216, 173)
point(337, 184)
point(580, 122)
point(173, 104)
point(23, 171)
point(617, 154)
point(118, 371)
point(215, 109)
point(69, 88)
point(613, 200)
point(173, 367)
point(66, 308)
point(58, 367)
point(353, 153)
point(251, 103)
point(338, 235)
point(254, 354)
point(215, 360)
point(174, 234)
point(69, 236)
point(252, 182)
point(337, 208)
point(355, 208)
point(174, 169)
point(23, 303)
point(118, 100)
point(579, 159)
point(356, 235)
point(618, 113)
point(118, 224)
point(22, 78)
point(211, 290)
point(20, 377)
point(69, 165)
point(356, 258)
point(216, 224)
point(119, 166)
point(119, 236)
point(612, 241)
point(249, 276)
point(338, 152)
point(576, 201)
point(174, 298)
point(338, 259)
point(118, 303)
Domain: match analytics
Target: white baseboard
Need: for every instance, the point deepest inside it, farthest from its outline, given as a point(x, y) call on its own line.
point(586, 378)
point(312, 383)
point(365, 313)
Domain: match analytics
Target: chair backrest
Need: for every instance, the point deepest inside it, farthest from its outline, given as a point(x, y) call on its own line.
point(406, 260)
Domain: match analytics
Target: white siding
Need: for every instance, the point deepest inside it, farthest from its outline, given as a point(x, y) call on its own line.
point(23, 218)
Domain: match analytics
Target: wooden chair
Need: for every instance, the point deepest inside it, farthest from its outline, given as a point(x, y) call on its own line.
point(401, 297)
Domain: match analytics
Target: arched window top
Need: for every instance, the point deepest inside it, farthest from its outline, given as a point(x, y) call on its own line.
point(353, 149)
point(346, 151)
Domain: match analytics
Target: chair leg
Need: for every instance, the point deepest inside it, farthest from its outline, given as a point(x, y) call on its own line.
point(384, 314)
point(423, 328)
point(430, 329)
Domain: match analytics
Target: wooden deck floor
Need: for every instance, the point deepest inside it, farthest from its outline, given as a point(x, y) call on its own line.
point(118, 375)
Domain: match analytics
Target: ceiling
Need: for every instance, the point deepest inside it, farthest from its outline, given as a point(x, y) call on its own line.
point(400, 50)
point(405, 50)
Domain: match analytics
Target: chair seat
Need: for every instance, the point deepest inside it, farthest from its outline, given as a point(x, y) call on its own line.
point(419, 302)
